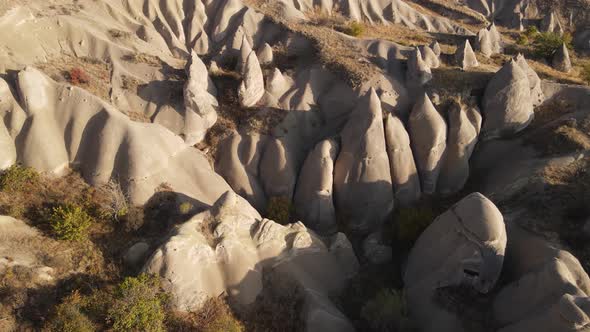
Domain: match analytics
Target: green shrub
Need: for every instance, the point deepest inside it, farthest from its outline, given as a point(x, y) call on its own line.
point(17, 177)
point(185, 208)
point(138, 305)
point(546, 43)
point(69, 222)
point(411, 222)
point(279, 209)
point(354, 29)
point(522, 40)
point(69, 317)
point(531, 31)
point(386, 311)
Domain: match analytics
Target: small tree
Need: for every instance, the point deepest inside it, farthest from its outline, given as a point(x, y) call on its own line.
point(70, 222)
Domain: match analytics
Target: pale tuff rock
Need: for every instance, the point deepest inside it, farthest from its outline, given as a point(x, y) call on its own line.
point(251, 89)
point(485, 43)
point(537, 95)
point(419, 72)
point(496, 38)
point(551, 23)
point(276, 86)
point(435, 46)
point(320, 314)
point(278, 169)
point(238, 160)
point(463, 247)
point(7, 148)
point(68, 126)
point(474, 115)
point(404, 175)
point(561, 60)
point(429, 56)
point(465, 57)
point(461, 142)
point(265, 55)
point(428, 136)
point(230, 248)
point(362, 178)
point(547, 290)
point(507, 104)
point(200, 102)
point(314, 195)
point(245, 50)
point(481, 6)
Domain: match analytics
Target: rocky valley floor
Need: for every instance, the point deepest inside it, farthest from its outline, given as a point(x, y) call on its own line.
point(295, 165)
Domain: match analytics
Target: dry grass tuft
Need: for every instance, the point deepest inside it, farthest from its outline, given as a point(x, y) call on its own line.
point(90, 74)
point(214, 316)
point(147, 59)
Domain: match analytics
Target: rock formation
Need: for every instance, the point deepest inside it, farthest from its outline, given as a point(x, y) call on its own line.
point(251, 89)
point(537, 95)
point(485, 43)
point(462, 138)
point(230, 248)
point(551, 23)
point(435, 46)
point(428, 136)
point(463, 247)
point(404, 175)
point(265, 55)
point(278, 169)
point(496, 37)
point(245, 50)
point(362, 178)
point(429, 56)
point(464, 56)
point(200, 102)
point(313, 200)
point(561, 60)
point(419, 72)
point(507, 104)
point(238, 160)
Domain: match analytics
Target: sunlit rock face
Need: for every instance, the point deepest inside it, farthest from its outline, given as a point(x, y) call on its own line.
point(463, 247)
point(231, 248)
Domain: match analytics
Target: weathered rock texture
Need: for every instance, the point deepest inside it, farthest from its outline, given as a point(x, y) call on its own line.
point(419, 73)
point(428, 133)
point(362, 178)
point(463, 247)
point(507, 103)
point(404, 175)
point(230, 248)
point(200, 102)
point(537, 95)
point(314, 195)
point(561, 60)
point(464, 56)
point(251, 89)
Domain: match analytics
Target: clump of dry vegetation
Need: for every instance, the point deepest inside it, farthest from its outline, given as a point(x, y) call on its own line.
point(279, 209)
point(147, 59)
point(214, 316)
point(93, 75)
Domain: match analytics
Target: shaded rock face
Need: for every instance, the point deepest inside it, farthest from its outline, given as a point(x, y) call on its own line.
point(463, 247)
point(362, 178)
point(278, 169)
point(561, 60)
point(404, 175)
point(265, 55)
point(462, 137)
point(428, 133)
point(507, 104)
point(419, 73)
point(547, 288)
point(429, 56)
point(238, 160)
point(537, 96)
point(464, 56)
point(230, 248)
point(314, 195)
point(200, 102)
